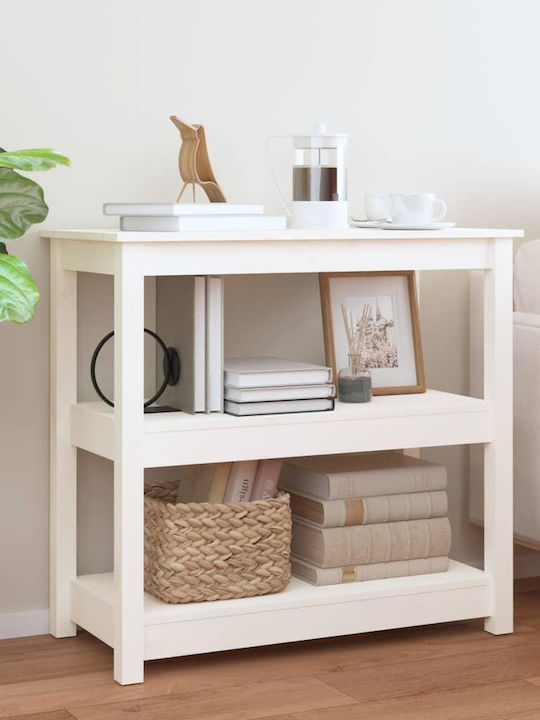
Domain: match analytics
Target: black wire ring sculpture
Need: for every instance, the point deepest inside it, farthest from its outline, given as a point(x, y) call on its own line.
point(170, 368)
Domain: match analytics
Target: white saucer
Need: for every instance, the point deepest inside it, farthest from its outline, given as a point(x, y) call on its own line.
point(365, 223)
point(427, 226)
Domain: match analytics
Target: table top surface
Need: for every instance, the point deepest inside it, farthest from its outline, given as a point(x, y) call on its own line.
point(349, 234)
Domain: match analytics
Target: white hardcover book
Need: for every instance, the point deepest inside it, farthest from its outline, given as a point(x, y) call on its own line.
point(259, 372)
point(178, 223)
point(282, 406)
point(293, 392)
point(181, 322)
point(183, 209)
point(214, 344)
point(199, 342)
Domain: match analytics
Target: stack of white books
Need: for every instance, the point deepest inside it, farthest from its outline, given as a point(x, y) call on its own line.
point(270, 385)
point(175, 217)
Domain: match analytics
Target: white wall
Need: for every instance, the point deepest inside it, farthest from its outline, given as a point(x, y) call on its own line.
point(436, 94)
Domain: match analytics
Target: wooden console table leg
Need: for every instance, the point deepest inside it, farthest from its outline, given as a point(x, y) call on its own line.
point(128, 465)
point(63, 455)
point(498, 490)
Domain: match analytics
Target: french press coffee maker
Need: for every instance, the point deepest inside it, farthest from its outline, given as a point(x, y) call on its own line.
point(319, 180)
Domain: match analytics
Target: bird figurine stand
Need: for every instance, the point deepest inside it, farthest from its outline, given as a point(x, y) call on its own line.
point(194, 163)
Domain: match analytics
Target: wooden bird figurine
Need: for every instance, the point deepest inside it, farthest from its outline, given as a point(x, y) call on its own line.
point(194, 163)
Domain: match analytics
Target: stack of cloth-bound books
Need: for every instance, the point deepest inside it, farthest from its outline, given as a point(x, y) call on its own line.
point(366, 517)
point(268, 385)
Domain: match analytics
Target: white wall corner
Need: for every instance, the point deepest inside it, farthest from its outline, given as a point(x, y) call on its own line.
point(23, 624)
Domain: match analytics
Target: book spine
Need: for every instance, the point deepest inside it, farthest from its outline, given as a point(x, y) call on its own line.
point(177, 223)
point(199, 344)
point(175, 209)
point(363, 483)
point(393, 508)
point(367, 483)
point(266, 480)
point(214, 344)
point(281, 407)
point(366, 544)
point(377, 509)
point(282, 378)
point(220, 481)
point(293, 392)
point(240, 481)
point(375, 571)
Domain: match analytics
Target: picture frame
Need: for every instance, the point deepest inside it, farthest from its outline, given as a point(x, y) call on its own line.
point(393, 349)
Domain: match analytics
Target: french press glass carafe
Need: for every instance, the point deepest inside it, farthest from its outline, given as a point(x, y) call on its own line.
point(319, 181)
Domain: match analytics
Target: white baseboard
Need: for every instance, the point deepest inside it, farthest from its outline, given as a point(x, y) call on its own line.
point(33, 622)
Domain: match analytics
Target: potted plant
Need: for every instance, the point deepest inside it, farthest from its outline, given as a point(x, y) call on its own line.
point(21, 205)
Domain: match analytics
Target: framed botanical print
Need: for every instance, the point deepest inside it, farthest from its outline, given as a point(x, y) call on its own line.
point(386, 305)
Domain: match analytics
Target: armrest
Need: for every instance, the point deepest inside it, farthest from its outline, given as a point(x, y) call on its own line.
point(527, 363)
point(526, 332)
point(526, 431)
point(527, 425)
point(526, 319)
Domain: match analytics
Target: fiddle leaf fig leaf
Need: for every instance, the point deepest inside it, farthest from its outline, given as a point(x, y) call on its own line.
point(21, 203)
point(32, 159)
point(18, 292)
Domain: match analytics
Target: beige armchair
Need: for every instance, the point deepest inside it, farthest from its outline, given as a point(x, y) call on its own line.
point(526, 395)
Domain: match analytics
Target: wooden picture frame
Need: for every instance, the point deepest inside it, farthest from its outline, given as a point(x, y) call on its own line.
point(329, 318)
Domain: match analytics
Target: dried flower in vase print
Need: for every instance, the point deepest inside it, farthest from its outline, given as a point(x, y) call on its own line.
point(379, 349)
point(382, 309)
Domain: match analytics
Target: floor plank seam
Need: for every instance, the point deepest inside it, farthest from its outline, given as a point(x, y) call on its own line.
point(434, 692)
point(76, 709)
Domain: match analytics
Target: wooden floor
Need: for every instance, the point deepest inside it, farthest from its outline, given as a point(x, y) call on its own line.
point(444, 672)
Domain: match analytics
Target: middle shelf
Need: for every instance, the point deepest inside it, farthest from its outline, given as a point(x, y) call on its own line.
point(426, 419)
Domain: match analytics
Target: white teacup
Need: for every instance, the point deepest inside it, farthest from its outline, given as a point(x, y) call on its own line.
point(377, 206)
point(416, 208)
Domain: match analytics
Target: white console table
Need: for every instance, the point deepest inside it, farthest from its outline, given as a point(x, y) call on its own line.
point(114, 607)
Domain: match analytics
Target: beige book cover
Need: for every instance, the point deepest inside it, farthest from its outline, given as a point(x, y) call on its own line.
point(363, 511)
point(363, 544)
point(360, 475)
point(360, 573)
point(241, 481)
point(266, 480)
point(203, 483)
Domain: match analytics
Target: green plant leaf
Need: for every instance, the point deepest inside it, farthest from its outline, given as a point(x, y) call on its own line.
point(18, 292)
point(21, 204)
point(32, 159)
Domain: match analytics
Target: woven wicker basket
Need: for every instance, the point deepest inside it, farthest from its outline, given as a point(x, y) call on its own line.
point(205, 551)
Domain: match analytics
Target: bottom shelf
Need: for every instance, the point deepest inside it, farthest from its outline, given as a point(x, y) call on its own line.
point(300, 612)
